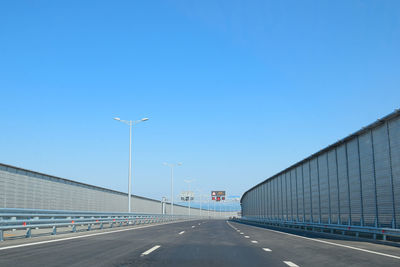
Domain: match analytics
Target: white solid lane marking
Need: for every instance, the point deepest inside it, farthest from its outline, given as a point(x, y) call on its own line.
point(267, 249)
point(181, 232)
point(246, 236)
point(254, 241)
point(77, 237)
point(336, 244)
point(291, 264)
point(147, 252)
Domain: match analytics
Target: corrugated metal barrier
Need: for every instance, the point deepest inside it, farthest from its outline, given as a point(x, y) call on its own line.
point(354, 182)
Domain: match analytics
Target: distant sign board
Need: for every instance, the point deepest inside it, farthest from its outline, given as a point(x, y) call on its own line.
point(218, 195)
point(187, 196)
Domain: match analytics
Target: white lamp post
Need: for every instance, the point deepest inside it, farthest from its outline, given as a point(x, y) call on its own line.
point(131, 124)
point(172, 165)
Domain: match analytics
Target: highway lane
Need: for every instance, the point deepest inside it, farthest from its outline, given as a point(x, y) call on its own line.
point(319, 250)
point(199, 243)
point(212, 243)
point(103, 249)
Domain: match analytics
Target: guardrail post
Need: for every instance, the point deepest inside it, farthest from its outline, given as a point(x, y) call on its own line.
point(36, 218)
point(28, 233)
point(357, 234)
point(101, 225)
point(89, 227)
point(74, 228)
point(1, 235)
point(384, 237)
point(54, 230)
point(14, 219)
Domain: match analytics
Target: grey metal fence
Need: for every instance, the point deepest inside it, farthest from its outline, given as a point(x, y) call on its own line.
point(26, 189)
point(354, 182)
point(73, 221)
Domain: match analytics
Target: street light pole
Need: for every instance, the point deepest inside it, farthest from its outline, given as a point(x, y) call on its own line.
point(172, 183)
point(130, 167)
point(131, 124)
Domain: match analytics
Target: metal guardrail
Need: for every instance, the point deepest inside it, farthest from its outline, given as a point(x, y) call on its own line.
point(28, 219)
point(373, 232)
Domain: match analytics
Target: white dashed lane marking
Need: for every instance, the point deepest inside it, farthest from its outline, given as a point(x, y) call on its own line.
point(181, 232)
point(254, 241)
point(267, 249)
point(147, 252)
point(193, 226)
point(246, 236)
point(291, 264)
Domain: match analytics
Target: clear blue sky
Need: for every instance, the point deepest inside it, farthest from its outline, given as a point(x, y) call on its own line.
point(236, 90)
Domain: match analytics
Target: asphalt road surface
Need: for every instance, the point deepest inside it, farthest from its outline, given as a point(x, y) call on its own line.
point(195, 243)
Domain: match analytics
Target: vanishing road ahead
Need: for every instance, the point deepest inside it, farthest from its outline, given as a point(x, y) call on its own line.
point(194, 243)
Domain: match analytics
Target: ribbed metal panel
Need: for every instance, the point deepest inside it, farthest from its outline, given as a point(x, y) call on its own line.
point(300, 193)
point(276, 198)
point(383, 176)
point(289, 196)
point(271, 199)
point(266, 195)
point(293, 193)
point(279, 198)
point(394, 134)
point(260, 203)
point(314, 190)
point(333, 186)
point(343, 184)
point(367, 179)
point(307, 192)
point(267, 200)
point(323, 185)
point(354, 181)
point(285, 196)
point(264, 189)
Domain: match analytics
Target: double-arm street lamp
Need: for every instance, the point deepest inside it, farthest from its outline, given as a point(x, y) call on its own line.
point(172, 165)
point(131, 124)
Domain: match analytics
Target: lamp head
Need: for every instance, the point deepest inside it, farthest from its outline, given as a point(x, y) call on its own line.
point(117, 119)
point(145, 119)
